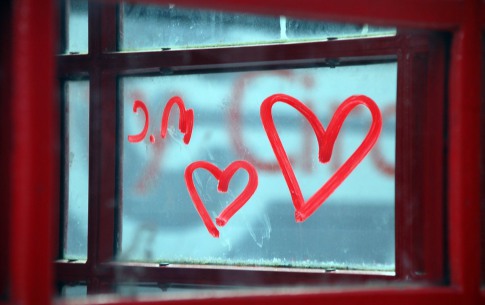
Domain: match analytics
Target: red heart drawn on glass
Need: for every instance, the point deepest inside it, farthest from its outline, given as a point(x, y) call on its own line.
point(326, 140)
point(224, 177)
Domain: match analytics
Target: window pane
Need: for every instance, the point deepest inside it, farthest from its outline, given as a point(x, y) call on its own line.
point(75, 291)
point(77, 23)
point(77, 141)
point(154, 27)
point(353, 229)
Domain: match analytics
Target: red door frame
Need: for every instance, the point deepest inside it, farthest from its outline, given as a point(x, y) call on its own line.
point(34, 152)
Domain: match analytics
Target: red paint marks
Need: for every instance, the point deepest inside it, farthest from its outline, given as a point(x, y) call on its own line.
point(382, 165)
point(306, 161)
point(186, 121)
point(224, 177)
point(139, 137)
point(235, 120)
point(186, 124)
point(326, 140)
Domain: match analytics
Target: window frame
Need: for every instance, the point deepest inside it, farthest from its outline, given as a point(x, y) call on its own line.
point(416, 53)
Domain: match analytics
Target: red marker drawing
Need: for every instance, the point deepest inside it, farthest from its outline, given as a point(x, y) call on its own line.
point(139, 137)
point(385, 167)
point(326, 140)
point(224, 177)
point(146, 181)
point(186, 121)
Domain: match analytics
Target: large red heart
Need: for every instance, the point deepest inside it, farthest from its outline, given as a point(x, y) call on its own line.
point(326, 140)
point(224, 177)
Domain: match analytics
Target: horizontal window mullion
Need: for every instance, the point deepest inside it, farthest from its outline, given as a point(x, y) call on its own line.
point(227, 276)
point(310, 53)
point(68, 65)
point(69, 272)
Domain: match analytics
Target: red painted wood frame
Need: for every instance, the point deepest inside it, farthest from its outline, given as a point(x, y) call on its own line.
point(420, 146)
point(33, 189)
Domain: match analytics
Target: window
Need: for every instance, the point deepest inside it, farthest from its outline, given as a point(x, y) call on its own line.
point(383, 222)
point(31, 161)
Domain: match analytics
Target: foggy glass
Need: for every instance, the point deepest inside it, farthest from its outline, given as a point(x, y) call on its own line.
point(77, 26)
point(74, 291)
point(77, 142)
point(353, 229)
point(146, 27)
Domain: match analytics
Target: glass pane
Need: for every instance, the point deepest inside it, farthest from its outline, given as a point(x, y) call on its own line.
point(154, 27)
point(353, 229)
point(77, 141)
point(77, 23)
point(74, 291)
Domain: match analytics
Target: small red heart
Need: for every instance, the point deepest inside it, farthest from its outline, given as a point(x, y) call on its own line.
point(326, 140)
point(224, 177)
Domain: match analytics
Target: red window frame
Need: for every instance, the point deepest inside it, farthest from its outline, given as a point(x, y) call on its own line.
point(419, 214)
point(30, 259)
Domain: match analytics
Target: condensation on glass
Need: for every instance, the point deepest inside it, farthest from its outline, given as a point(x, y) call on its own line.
point(74, 291)
point(77, 26)
point(76, 168)
point(353, 229)
point(145, 27)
